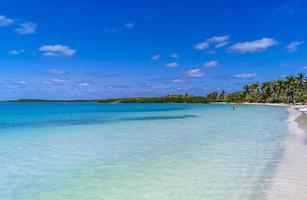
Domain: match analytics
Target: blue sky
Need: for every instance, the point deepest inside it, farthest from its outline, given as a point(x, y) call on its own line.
point(101, 49)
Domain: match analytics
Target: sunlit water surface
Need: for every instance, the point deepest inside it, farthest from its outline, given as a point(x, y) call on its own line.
point(138, 151)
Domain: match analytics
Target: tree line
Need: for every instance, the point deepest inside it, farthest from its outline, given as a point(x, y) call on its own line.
point(292, 89)
point(164, 99)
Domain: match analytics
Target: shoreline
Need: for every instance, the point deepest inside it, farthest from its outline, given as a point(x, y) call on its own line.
point(267, 104)
point(289, 180)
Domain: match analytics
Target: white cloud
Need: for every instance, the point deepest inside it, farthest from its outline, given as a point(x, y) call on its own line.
point(212, 63)
point(178, 81)
point(293, 46)
point(129, 25)
point(26, 28)
point(202, 46)
point(57, 50)
point(56, 81)
point(22, 83)
point(16, 52)
point(219, 41)
point(5, 21)
point(84, 84)
point(55, 72)
point(219, 45)
point(194, 73)
point(172, 65)
point(243, 76)
point(305, 67)
point(175, 55)
point(155, 57)
point(253, 46)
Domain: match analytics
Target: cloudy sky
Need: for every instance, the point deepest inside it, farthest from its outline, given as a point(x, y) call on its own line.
point(122, 48)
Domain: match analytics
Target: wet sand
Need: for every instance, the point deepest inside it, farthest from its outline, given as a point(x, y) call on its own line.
point(290, 179)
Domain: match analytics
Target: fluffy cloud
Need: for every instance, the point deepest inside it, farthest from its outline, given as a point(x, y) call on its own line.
point(26, 28)
point(243, 76)
point(219, 41)
point(202, 46)
point(16, 52)
point(56, 81)
point(129, 25)
point(155, 57)
point(5, 21)
point(55, 72)
point(219, 45)
point(175, 55)
point(212, 63)
point(253, 46)
point(57, 50)
point(83, 84)
point(293, 46)
point(196, 73)
point(172, 65)
point(178, 81)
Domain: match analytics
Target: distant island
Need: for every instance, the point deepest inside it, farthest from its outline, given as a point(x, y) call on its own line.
point(47, 100)
point(292, 89)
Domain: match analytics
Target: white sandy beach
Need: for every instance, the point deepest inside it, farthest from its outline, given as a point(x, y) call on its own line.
point(290, 179)
point(266, 104)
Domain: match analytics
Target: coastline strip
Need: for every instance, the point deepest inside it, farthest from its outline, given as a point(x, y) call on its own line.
point(290, 179)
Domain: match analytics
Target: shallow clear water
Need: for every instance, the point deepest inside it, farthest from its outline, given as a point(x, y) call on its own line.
point(138, 151)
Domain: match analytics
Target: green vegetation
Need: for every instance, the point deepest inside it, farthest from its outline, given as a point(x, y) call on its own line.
point(292, 89)
point(44, 100)
point(165, 99)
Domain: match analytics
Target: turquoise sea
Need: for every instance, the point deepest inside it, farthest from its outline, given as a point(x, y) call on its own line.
point(91, 151)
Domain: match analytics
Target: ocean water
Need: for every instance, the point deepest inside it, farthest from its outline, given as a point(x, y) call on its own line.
point(90, 151)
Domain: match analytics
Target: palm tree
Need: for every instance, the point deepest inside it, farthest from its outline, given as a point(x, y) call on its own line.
point(221, 95)
point(247, 90)
point(266, 90)
point(301, 80)
point(292, 89)
point(212, 96)
point(303, 85)
point(255, 88)
point(277, 90)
